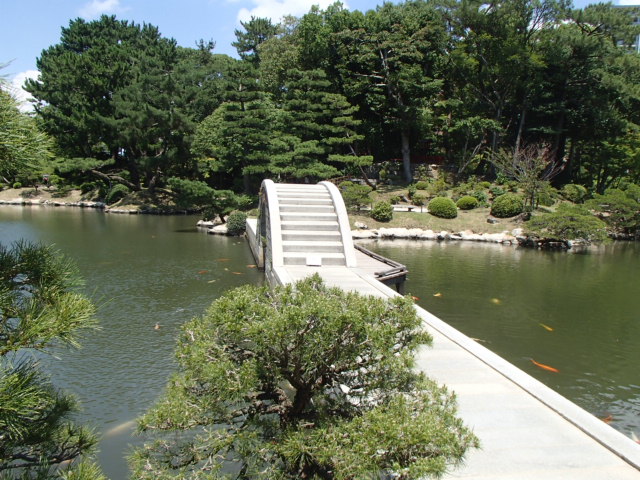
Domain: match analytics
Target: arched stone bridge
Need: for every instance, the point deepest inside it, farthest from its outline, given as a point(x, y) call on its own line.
point(302, 227)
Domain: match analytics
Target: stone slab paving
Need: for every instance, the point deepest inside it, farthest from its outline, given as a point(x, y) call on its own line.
point(526, 430)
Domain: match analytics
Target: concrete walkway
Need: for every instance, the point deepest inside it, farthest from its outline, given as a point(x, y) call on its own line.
point(527, 431)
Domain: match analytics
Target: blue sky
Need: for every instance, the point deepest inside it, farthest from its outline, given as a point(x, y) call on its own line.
point(30, 26)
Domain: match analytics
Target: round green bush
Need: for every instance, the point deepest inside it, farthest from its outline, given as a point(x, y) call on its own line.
point(17, 185)
point(422, 185)
point(507, 205)
point(547, 197)
point(467, 203)
point(418, 199)
point(395, 200)
point(382, 212)
point(116, 193)
point(574, 193)
point(236, 223)
point(443, 207)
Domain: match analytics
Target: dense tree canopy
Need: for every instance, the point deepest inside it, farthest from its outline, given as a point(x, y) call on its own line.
point(418, 80)
point(23, 146)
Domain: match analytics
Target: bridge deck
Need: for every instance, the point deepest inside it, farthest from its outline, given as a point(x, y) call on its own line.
point(521, 423)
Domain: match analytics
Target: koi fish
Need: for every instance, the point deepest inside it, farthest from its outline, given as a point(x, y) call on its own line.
point(222, 260)
point(544, 367)
point(546, 327)
point(251, 266)
point(414, 298)
point(202, 272)
point(237, 273)
point(608, 419)
point(437, 294)
point(212, 281)
point(496, 301)
point(634, 437)
point(156, 326)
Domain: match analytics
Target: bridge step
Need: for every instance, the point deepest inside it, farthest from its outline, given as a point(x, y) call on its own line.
point(309, 208)
point(301, 258)
point(308, 216)
point(309, 225)
point(312, 235)
point(304, 200)
point(315, 247)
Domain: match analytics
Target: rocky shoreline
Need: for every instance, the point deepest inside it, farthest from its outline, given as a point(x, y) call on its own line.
point(28, 202)
point(505, 238)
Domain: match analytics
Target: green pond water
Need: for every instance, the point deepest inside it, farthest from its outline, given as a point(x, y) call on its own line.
point(143, 270)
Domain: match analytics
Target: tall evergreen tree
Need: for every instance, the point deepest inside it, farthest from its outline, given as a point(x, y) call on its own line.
point(257, 31)
point(319, 129)
point(391, 66)
point(236, 140)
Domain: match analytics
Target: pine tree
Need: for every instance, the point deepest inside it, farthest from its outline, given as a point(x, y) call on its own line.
point(37, 308)
point(319, 129)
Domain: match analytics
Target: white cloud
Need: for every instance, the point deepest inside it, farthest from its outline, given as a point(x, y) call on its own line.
point(100, 7)
point(276, 9)
point(21, 95)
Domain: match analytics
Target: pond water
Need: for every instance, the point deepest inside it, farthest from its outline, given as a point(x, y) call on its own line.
point(143, 270)
point(576, 312)
point(140, 270)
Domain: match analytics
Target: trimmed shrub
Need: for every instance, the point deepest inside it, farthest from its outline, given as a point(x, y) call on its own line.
point(485, 184)
point(482, 197)
point(443, 207)
point(547, 196)
point(507, 205)
point(422, 185)
point(411, 191)
point(382, 212)
point(574, 193)
point(467, 203)
point(418, 199)
point(395, 200)
point(355, 195)
point(61, 191)
point(569, 222)
point(117, 192)
point(17, 185)
point(87, 187)
point(497, 191)
point(236, 223)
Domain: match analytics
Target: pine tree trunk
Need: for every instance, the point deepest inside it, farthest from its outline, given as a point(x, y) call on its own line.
point(406, 156)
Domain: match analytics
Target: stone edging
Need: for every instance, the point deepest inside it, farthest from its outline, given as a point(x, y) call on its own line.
point(53, 203)
point(505, 238)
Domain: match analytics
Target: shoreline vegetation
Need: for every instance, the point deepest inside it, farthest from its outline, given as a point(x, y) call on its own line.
point(409, 225)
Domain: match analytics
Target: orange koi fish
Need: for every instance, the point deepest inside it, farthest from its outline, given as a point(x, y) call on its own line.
point(414, 298)
point(607, 419)
point(546, 327)
point(237, 273)
point(437, 294)
point(251, 266)
point(544, 367)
